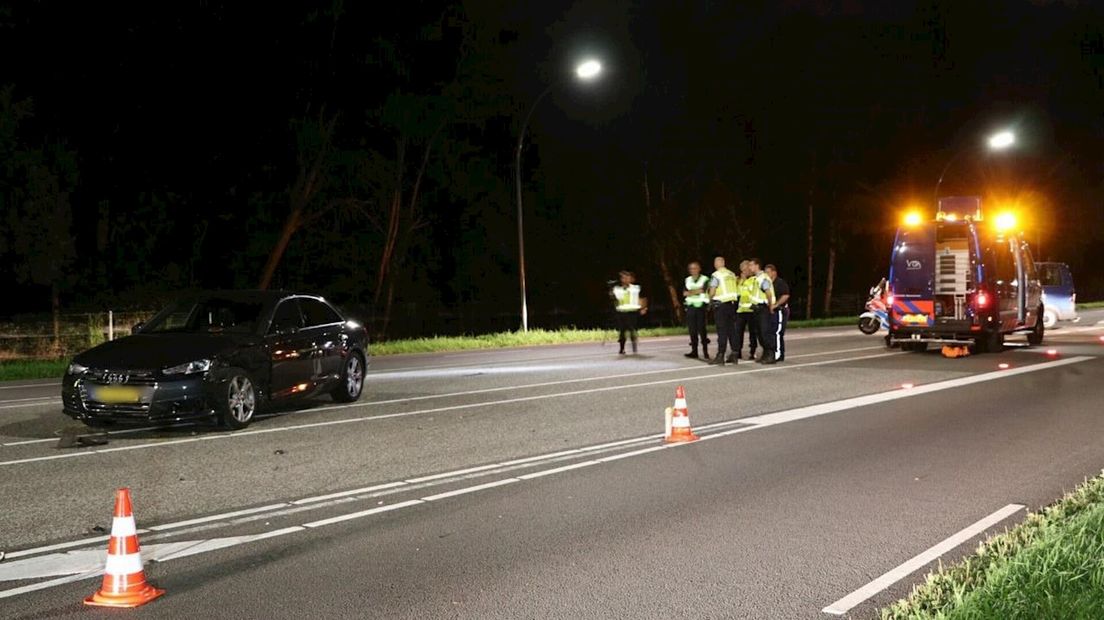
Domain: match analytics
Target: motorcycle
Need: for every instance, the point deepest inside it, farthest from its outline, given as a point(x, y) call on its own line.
point(877, 312)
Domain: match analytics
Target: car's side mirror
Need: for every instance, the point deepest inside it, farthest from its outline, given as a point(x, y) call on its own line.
point(137, 327)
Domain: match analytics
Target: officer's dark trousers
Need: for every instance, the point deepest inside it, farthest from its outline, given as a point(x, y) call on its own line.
point(779, 319)
point(695, 322)
point(626, 325)
point(724, 315)
point(745, 321)
point(766, 336)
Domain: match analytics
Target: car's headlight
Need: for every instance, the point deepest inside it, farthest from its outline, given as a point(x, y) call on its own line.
point(77, 369)
point(190, 368)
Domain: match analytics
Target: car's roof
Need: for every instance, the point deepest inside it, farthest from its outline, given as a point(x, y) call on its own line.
point(252, 295)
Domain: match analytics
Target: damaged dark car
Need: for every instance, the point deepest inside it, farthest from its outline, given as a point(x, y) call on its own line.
point(219, 356)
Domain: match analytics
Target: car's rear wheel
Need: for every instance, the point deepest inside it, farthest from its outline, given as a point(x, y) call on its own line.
point(1050, 318)
point(1036, 336)
point(239, 401)
point(352, 380)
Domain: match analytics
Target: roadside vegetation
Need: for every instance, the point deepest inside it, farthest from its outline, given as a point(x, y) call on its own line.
point(1049, 566)
point(53, 367)
point(1091, 305)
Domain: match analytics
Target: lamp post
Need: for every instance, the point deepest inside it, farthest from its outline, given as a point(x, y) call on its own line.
point(585, 71)
point(996, 142)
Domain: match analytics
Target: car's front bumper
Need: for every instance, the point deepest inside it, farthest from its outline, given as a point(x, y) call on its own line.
point(160, 401)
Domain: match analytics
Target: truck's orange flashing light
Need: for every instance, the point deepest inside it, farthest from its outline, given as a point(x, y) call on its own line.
point(913, 218)
point(1005, 221)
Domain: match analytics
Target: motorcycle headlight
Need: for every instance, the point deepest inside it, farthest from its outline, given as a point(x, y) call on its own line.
point(190, 368)
point(77, 369)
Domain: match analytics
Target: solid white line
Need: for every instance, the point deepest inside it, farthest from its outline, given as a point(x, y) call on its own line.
point(471, 489)
point(506, 401)
point(123, 431)
point(362, 513)
point(225, 515)
point(56, 401)
point(322, 498)
point(556, 470)
point(21, 400)
point(49, 584)
point(891, 577)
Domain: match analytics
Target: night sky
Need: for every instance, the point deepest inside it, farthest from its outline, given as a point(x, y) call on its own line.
point(182, 119)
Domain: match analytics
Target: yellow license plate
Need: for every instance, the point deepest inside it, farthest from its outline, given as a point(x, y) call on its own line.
point(915, 319)
point(117, 394)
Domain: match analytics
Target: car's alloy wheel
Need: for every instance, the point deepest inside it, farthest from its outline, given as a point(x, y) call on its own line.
point(352, 380)
point(1050, 319)
point(241, 401)
point(354, 377)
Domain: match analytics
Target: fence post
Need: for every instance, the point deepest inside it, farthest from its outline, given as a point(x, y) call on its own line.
point(110, 326)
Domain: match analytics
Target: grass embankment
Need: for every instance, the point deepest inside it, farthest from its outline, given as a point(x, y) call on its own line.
point(1090, 305)
point(1049, 566)
point(32, 369)
point(53, 368)
point(438, 344)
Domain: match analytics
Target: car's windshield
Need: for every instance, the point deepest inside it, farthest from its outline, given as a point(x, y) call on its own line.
point(211, 315)
point(1050, 274)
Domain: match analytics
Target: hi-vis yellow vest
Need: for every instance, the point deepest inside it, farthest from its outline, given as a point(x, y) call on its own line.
point(628, 297)
point(702, 298)
point(763, 291)
point(727, 285)
point(747, 293)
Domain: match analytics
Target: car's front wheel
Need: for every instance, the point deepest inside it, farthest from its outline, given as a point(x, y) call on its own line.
point(238, 402)
point(352, 380)
point(1050, 318)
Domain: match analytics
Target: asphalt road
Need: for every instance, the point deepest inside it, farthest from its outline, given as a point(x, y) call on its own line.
point(532, 483)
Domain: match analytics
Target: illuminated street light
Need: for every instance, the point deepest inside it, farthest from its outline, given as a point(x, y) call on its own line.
point(586, 71)
point(999, 141)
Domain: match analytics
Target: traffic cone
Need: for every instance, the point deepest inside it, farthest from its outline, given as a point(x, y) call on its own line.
point(124, 582)
point(680, 420)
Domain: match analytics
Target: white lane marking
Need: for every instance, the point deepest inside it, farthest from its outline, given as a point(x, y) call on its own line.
point(56, 401)
point(891, 577)
point(362, 513)
point(23, 400)
point(124, 431)
point(226, 515)
point(471, 489)
point(322, 498)
point(767, 421)
point(505, 401)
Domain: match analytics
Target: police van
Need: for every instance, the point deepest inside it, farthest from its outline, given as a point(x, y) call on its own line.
point(962, 279)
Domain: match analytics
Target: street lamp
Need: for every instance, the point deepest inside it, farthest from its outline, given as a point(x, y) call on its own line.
point(587, 71)
point(996, 142)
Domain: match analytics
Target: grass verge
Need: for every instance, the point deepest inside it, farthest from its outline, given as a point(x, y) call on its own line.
point(1090, 305)
point(439, 344)
point(1049, 566)
point(53, 368)
point(15, 370)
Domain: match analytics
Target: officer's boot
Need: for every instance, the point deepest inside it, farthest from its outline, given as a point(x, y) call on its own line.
point(634, 344)
point(733, 358)
point(622, 343)
point(693, 354)
point(768, 357)
point(717, 361)
point(705, 350)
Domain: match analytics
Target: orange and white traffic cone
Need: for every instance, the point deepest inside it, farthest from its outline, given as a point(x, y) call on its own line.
point(680, 420)
point(124, 582)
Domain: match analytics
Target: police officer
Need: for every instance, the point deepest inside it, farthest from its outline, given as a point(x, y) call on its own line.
point(697, 298)
point(745, 317)
point(630, 304)
point(724, 292)
point(761, 301)
point(780, 312)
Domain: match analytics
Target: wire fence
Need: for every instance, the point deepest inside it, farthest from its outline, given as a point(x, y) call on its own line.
point(35, 336)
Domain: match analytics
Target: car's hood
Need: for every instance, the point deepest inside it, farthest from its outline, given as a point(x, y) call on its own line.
point(158, 351)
